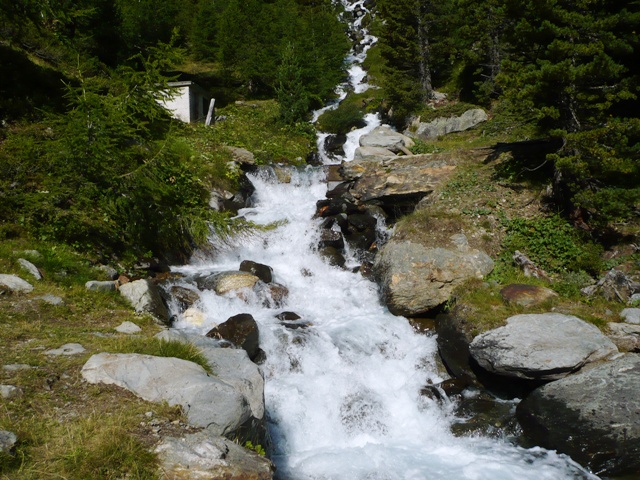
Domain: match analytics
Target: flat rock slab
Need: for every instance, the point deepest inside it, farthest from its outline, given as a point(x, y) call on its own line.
point(593, 416)
point(410, 175)
point(442, 126)
point(527, 295)
point(31, 268)
point(205, 456)
point(51, 299)
point(67, 349)
point(207, 401)
point(14, 284)
point(545, 346)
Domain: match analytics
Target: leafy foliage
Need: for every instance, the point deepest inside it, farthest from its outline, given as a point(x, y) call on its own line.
point(553, 244)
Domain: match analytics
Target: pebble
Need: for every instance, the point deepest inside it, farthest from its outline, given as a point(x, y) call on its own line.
point(7, 441)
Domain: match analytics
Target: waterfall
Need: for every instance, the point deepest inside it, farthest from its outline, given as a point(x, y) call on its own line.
point(343, 388)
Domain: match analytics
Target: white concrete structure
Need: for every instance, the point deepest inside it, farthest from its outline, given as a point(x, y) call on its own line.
point(190, 102)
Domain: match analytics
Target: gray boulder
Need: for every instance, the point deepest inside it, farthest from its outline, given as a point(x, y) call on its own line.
point(545, 346)
point(10, 391)
point(385, 137)
point(145, 297)
point(31, 268)
point(101, 286)
point(631, 315)
point(206, 456)
point(128, 328)
point(593, 416)
point(416, 278)
point(442, 126)
point(207, 401)
point(626, 336)
point(229, 365)
point(14, 284)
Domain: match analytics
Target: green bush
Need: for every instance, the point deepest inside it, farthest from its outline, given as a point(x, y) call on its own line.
point(553, 244)
point(341, 120)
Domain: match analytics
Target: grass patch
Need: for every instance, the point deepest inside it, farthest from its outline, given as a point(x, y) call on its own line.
point(163, 348)
point(256, 126)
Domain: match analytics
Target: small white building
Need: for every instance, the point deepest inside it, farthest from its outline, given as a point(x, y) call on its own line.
point(190, 102)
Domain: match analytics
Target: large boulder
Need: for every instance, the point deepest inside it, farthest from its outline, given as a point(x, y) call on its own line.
point(145, 297)
point(442, 126)
point(396, 178)
point(241, 330)
point(593, 416)
point(207, 401)
point(205, 456)
point(416, 278)
point(545, 346)
point(230, 365)
point(385, 137)
point(14, 284)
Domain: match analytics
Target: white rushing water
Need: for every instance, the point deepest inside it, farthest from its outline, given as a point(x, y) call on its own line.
point(342, 392)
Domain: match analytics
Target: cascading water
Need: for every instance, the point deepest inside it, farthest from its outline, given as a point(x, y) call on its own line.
point(343, 383)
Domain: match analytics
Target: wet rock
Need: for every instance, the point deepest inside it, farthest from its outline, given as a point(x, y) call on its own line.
point(290, 316)
point(185, 297)
point(479, 413)
point(593, 416)
point(67, 349)
point(527, 295)
point(453, 340)
point(416, 278)
point(144, 297)
point(273, 295)
point(128, 328)
point(14, 284)
point(30, 268)
point(227, 282)
point(193, 316)
point(333, 144)
point(7, 441)
point(263, 272)
point(625, 336)
point(205, 456)
point(241, 330)
point(207, 401)
point(333, 256)
point(331, 238)
point(335, 206)
point(545, 346)
point(339, 191)
point(101, 286)
point(334, 173)
point(442, 126)
point(631, 315)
